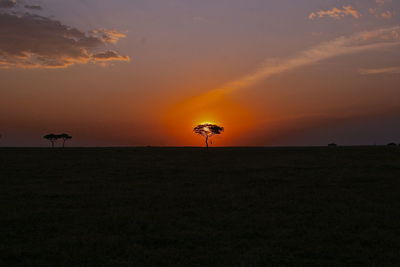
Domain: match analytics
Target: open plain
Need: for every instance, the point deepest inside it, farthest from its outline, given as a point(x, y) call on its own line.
point(189, 207)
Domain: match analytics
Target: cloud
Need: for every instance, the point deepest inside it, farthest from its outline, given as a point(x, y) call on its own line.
point(391, 70)
point(13, 3)
point(33, 7)
point(385, 14)
point(380, 11)
point(360, 42)
point(33, 41)
point(7, 3)
point(110, 56)
point(336, 13)
point(108, 36)
point(382, 2)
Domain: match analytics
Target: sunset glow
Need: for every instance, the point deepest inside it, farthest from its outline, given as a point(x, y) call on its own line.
point(128, 73)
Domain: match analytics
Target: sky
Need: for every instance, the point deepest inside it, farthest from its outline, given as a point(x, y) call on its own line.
point(146, 72)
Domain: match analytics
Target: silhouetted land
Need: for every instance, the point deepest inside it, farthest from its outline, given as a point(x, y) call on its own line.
point(186, 207)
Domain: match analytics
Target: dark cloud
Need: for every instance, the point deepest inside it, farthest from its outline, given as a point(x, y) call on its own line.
point(7, 3)
point(33, 41)
point(109, 56)
point(33, 7)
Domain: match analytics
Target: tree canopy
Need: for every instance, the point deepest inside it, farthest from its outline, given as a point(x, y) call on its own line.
point(54, 137)
point(208, 130)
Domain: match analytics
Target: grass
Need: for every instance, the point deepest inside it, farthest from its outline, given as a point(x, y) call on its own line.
point(186, 207)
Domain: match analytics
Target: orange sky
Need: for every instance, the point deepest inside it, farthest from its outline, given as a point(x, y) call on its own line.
point(146, 72)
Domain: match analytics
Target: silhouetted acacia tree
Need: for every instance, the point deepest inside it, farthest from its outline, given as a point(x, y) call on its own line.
point(52, 138)
point(64, 137)
point(208, 130)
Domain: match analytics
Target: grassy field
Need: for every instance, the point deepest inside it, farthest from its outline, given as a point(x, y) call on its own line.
point(186, 207)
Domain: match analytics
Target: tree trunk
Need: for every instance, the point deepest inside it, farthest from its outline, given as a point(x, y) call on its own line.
point(63, 143)
point(207, 142)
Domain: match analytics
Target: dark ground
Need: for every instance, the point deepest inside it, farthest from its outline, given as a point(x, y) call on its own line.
point(186, 207)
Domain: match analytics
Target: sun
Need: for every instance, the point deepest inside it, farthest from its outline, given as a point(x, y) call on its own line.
point(207, 130)
point(206, 122)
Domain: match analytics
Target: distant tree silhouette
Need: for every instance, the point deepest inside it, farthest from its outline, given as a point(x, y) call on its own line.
point(208, 130)
point(332, 145)
point(52, 138)
point(64, 137)
point(391, 144)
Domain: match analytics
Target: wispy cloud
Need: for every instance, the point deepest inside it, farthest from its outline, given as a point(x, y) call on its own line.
point(33, 7)
point(336, 13)
point(391, 70)
point(360, 42)
point(382, 2)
